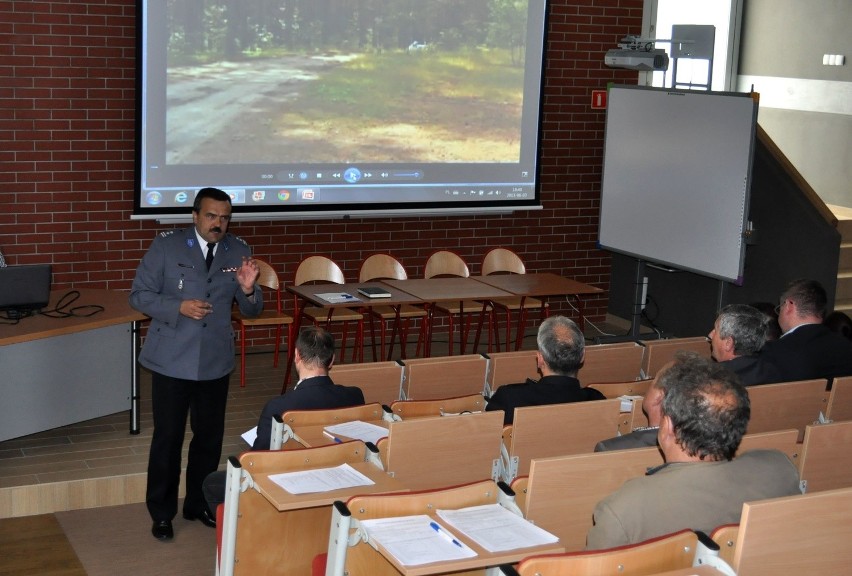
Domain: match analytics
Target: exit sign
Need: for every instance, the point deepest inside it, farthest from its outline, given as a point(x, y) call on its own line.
point(598, 99)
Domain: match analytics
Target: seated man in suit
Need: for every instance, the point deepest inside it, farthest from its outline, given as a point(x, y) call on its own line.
point(736, 339)
point(645, 436)
point(561, 347)
point(807, 349)
point(705, 412)
point(313, 358)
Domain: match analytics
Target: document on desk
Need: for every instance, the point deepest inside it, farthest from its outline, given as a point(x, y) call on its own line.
point(338, 297)
point(321, 480)
point(495, 528)
point(356, 430)
point(415, 540)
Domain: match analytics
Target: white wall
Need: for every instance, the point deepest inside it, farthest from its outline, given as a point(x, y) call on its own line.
point(805, 107)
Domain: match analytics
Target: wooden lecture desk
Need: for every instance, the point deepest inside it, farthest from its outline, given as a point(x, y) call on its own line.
point(541, 285)
point(62, 366)
point(431, 290)
point(308, 295)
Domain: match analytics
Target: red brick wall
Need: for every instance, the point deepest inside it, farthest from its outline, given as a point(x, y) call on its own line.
point(67, 108)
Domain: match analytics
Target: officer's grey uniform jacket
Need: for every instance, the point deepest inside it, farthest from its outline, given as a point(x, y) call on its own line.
point(173, 270)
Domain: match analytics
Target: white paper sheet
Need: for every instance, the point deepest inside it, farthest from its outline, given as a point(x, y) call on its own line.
point(356, 430)
point(495, 528)
point(250, 436)
point(413, 541)
point(321, 480)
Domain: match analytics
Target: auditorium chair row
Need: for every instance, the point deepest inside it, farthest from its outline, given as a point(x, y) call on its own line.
point(444, 377)
point(558, 493)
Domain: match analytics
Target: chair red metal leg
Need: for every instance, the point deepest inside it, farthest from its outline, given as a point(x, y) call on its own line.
point(373, 335)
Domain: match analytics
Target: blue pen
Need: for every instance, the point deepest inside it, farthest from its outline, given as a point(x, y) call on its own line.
point(333, 437)
point(437, 528)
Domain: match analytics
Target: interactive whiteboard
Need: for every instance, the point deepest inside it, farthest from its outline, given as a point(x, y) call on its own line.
point(676, 177)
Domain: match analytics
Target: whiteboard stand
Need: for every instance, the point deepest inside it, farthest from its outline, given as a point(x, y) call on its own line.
point(636, 317)
point(638, 300)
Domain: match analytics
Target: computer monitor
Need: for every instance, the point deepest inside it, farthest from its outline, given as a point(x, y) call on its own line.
point(24, 289)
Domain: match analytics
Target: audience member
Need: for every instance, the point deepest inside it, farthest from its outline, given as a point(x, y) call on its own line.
point(645, 436)
point(807, 349)
point(736, 339)
point(705, 412)
point(839, 322)
point(313, 358)
point(561, 347)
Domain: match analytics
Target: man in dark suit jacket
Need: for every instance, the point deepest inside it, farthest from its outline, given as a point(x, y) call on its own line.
point(645, 436)
point(313, 358)
point(807, 349)
point(738, 335)
point(561, 348)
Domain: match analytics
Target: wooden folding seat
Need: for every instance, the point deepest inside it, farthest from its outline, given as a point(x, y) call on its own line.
point(617, 362)
point(665, 553)
point(558, 430)
point(660, 352)
point(444, 377)
point(795, 535)
point(305, 426)
point(839, 405)
point(435, 451)
point(379, 381)
point(456, 405)
point(786, 405)
point(826, 461)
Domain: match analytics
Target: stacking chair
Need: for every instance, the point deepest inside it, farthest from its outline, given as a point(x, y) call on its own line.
point(382, 267)
point(505, 261)
point(268, 278)
point(443, 264)
point(320, 269)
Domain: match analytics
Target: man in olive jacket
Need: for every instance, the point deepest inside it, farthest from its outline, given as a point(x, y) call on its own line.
point(701, 485)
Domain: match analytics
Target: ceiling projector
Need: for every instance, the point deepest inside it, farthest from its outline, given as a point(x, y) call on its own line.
point(644, 61)
point(634, 53)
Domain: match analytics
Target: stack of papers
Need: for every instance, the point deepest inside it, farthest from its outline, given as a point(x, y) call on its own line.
point(356, 430)
point(321, 480)
point(496, 529)
point(415, 540)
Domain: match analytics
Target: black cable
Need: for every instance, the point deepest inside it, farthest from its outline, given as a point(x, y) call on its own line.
point(650, 320)
point(62, 310)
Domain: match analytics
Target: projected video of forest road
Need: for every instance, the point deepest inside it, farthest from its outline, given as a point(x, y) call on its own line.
point(337, 81)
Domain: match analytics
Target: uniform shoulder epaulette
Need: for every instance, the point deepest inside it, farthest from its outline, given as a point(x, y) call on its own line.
point(166, 233)
point(241, 241)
